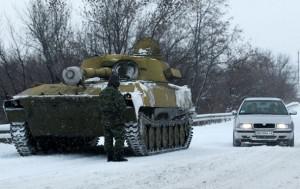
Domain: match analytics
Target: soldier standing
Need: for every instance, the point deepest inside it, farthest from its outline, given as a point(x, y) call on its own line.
point(113, 109)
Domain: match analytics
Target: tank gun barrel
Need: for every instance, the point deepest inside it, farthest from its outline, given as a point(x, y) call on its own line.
point(75, 75)
point(100, 72)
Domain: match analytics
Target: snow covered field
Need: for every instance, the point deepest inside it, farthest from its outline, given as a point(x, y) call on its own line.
point(210, 162)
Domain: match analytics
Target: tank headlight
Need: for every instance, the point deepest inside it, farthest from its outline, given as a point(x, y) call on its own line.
point(282, 126)
point(246, 126)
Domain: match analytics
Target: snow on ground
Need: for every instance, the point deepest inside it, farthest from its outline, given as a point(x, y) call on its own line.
point(210, 162)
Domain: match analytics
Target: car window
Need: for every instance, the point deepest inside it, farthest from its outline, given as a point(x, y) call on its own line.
point(263, 107)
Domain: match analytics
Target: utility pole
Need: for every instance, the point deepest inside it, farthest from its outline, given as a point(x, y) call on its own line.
point(298, 66)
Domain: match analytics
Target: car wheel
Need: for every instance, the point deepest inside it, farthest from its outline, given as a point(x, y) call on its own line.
point(236, 142)
point(291, 142)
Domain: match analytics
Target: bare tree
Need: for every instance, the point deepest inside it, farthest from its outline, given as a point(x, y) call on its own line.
point(161, 19)
point(49, 28)
point(110, 24)
point(167, 25)
point(210, 42)
point(4, 63)
point(18, 54)
point(258, 73)
point(195, 36)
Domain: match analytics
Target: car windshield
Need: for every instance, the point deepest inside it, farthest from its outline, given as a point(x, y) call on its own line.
point(263, 107)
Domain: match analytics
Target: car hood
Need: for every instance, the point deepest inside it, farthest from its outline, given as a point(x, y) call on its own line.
point(286, 119)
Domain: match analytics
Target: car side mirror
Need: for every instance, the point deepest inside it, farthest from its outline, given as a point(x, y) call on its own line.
point(172, 73)
point(234, 112)
point(292, 113)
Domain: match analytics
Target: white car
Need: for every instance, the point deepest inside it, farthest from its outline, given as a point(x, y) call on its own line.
point(264, 121)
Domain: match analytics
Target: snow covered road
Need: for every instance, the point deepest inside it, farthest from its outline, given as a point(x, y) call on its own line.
point(210, 162)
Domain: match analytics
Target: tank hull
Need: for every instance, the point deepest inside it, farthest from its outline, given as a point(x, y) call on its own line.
point(67, 112)
point(61, 116)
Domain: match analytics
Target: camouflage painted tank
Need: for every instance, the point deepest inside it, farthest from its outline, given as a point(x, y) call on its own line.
point(158, 113)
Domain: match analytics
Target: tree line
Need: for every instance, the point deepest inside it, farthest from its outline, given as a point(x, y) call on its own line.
point(196, 36)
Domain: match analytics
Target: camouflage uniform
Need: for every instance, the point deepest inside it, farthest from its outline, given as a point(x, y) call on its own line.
point(113, 107)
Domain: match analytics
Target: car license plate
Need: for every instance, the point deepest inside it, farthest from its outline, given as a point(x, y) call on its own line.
point(264, 133)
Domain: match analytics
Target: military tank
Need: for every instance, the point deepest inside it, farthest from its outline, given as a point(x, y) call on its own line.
point(68, 114)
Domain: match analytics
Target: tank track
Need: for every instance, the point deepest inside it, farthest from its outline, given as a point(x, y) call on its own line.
point(26, 145)
point(134, 134)
point(135, 139)
point(22, 139)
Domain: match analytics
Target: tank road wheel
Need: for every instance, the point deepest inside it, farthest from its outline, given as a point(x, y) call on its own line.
point(165, 137)
point(146, 136)
point(151, 138)
point(158, 138)
point(182, 135)
point(22, 139)
point(176, 135)
point(171, 136)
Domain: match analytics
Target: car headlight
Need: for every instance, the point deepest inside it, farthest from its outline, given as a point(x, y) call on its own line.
point(282, 126)
point(246, 126)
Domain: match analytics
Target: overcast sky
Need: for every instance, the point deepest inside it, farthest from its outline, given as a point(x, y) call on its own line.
point(268, 24)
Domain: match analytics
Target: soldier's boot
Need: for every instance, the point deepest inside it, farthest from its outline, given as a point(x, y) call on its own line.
point(119, 144)
point(110, 156)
